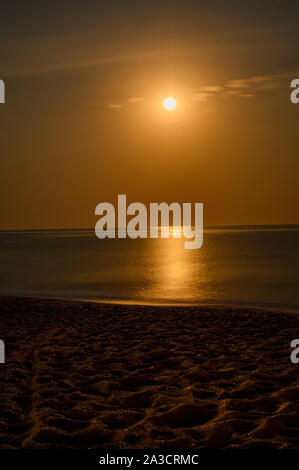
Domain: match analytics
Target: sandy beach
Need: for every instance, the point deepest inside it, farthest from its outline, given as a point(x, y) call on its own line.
point(87, 375)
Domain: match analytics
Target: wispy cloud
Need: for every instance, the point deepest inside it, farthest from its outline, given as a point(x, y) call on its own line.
point(115, 106)
point(212, 89)
point(248, 87)
point(260, 83)
point(200, 96)
point(242, 87)
point(247, 95)
point(136, 99)
point(132, 100)
point(50, 53)
point(247, 82)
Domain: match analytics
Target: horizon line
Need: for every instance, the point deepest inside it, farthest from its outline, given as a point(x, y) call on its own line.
point(290, 225)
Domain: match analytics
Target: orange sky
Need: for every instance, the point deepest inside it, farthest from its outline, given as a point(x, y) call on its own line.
point(83, 119)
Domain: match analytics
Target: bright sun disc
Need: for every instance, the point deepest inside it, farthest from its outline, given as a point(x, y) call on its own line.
point(169, 103)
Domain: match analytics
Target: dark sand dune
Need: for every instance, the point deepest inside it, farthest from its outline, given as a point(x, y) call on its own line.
point(82, 374)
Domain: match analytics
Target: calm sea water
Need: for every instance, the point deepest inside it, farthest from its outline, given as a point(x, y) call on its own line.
point(252, 266)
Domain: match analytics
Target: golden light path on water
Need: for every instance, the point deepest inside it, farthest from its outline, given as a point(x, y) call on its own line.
point(233, 267)
point(172, 272)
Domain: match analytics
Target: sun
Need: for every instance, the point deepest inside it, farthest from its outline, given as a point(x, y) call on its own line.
point(169, 103)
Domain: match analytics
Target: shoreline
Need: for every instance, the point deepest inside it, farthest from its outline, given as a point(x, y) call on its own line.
point(88, 375)
point(112, 301)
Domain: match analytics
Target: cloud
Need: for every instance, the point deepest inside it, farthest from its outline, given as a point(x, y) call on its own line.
point(247, 82)
point(132, 99)
point(231, 92)
point(212, 89)
point(247, 95)
point(205, 92)
point(136, 99)
point(243, 87)
point(200, 96)
point(115, 106)
point(259, 82)
point(248, 87)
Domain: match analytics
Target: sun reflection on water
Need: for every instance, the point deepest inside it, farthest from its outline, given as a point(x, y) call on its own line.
point(173, 272)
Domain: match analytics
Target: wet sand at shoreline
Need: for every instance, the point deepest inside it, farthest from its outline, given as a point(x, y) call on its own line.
point(86, 375)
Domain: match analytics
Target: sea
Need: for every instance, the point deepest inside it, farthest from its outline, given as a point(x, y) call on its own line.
point(254, 266)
